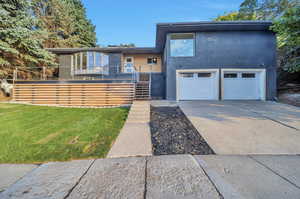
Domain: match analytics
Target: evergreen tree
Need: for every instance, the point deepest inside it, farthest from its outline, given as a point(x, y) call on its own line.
point(21, 41)
point(83, 26)
point(65, 22)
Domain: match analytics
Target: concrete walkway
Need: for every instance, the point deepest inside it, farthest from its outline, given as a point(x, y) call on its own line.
point(135, 137)
point(175, 176)
point(11, 173)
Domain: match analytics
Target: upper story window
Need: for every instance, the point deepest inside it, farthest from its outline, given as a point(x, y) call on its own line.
point(182, 45)
point(152, 60)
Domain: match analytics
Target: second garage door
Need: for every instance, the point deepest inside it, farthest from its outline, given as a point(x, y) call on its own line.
point(200, 85)
point(243, 84)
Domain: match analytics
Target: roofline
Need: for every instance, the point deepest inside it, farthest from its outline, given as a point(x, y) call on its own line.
point(162, 29)
point(244, 22)
point(128, 50)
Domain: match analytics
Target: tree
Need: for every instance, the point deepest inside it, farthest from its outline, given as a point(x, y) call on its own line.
point(84, 27)
point(234, 16)
point(21, 42)
point(130, 45)
point(265, 9)
point(248, 8)
point(65, 22)
point(288, 31)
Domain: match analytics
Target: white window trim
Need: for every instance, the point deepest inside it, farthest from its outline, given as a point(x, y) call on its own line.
point(194, 44)
point(125, 62)
point(262, 76)
point(214, 70)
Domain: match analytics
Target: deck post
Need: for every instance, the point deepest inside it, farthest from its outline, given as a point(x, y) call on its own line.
point(44, 73)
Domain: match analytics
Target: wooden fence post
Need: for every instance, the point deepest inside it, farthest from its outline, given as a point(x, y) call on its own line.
point(15, 75)
point(44, 73)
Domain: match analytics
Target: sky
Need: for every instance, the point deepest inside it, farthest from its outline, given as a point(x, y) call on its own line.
point(134, 21)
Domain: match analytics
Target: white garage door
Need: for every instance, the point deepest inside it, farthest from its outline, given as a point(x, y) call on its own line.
point(243, 85)
point(198, 85)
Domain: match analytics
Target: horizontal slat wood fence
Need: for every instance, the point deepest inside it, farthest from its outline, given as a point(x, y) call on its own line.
point(97, 94)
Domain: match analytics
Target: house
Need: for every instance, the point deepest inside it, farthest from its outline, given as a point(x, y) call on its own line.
point(233, 60)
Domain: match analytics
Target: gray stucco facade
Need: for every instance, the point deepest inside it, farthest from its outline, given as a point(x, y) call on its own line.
point(217, 45)
point(226, 49)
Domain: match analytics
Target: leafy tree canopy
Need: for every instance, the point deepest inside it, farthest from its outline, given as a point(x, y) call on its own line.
point(235, 16)
point(288, 29)
point(265, 9)
point(123, 45)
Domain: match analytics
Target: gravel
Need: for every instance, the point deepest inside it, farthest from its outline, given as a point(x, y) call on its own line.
point(173, 133)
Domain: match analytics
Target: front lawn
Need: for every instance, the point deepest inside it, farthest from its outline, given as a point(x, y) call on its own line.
point(35, 134)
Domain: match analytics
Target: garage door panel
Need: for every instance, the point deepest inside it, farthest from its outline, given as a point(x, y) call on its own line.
point(198, 86)
point(242, 85)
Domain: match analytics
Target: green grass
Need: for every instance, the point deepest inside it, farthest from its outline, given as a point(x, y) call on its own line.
point(36, 134)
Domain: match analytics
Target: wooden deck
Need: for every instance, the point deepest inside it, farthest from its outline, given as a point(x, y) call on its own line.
point(87, 94)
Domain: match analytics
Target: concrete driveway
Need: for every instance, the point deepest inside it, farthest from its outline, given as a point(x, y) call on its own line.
point(246, 127)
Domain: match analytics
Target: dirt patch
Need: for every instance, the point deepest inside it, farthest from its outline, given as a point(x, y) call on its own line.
point(3, 97)
point(173, 133)
point(49, 137)
point(290, 98)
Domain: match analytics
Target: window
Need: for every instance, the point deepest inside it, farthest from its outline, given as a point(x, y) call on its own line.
point(78, 62)
point(91, 60)
point(187, 75)
point(128, 59)
point(84, 61)
point(248, 75)
point(204, 74)
point(230, 75)
point(152, 60)
point(182, 45)
point(74, 61)
point(98, 59)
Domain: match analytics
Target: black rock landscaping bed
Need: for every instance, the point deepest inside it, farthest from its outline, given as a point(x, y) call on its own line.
point(173, 133)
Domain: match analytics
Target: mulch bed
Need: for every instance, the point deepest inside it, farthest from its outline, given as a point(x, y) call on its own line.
point(173, 133)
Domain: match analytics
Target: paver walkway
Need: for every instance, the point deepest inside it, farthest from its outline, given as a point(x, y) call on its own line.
point(135, 137)
point(169, 176)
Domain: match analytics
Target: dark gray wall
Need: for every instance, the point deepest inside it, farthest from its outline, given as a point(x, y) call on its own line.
point(227, 49)
point(114, 62)
point(158, 87)
point(65, 66)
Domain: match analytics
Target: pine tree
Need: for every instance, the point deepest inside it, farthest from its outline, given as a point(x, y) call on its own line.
point(21, 41)
point(65, 22)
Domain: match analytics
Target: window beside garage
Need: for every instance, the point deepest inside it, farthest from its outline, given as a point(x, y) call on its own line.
point(182, 45)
